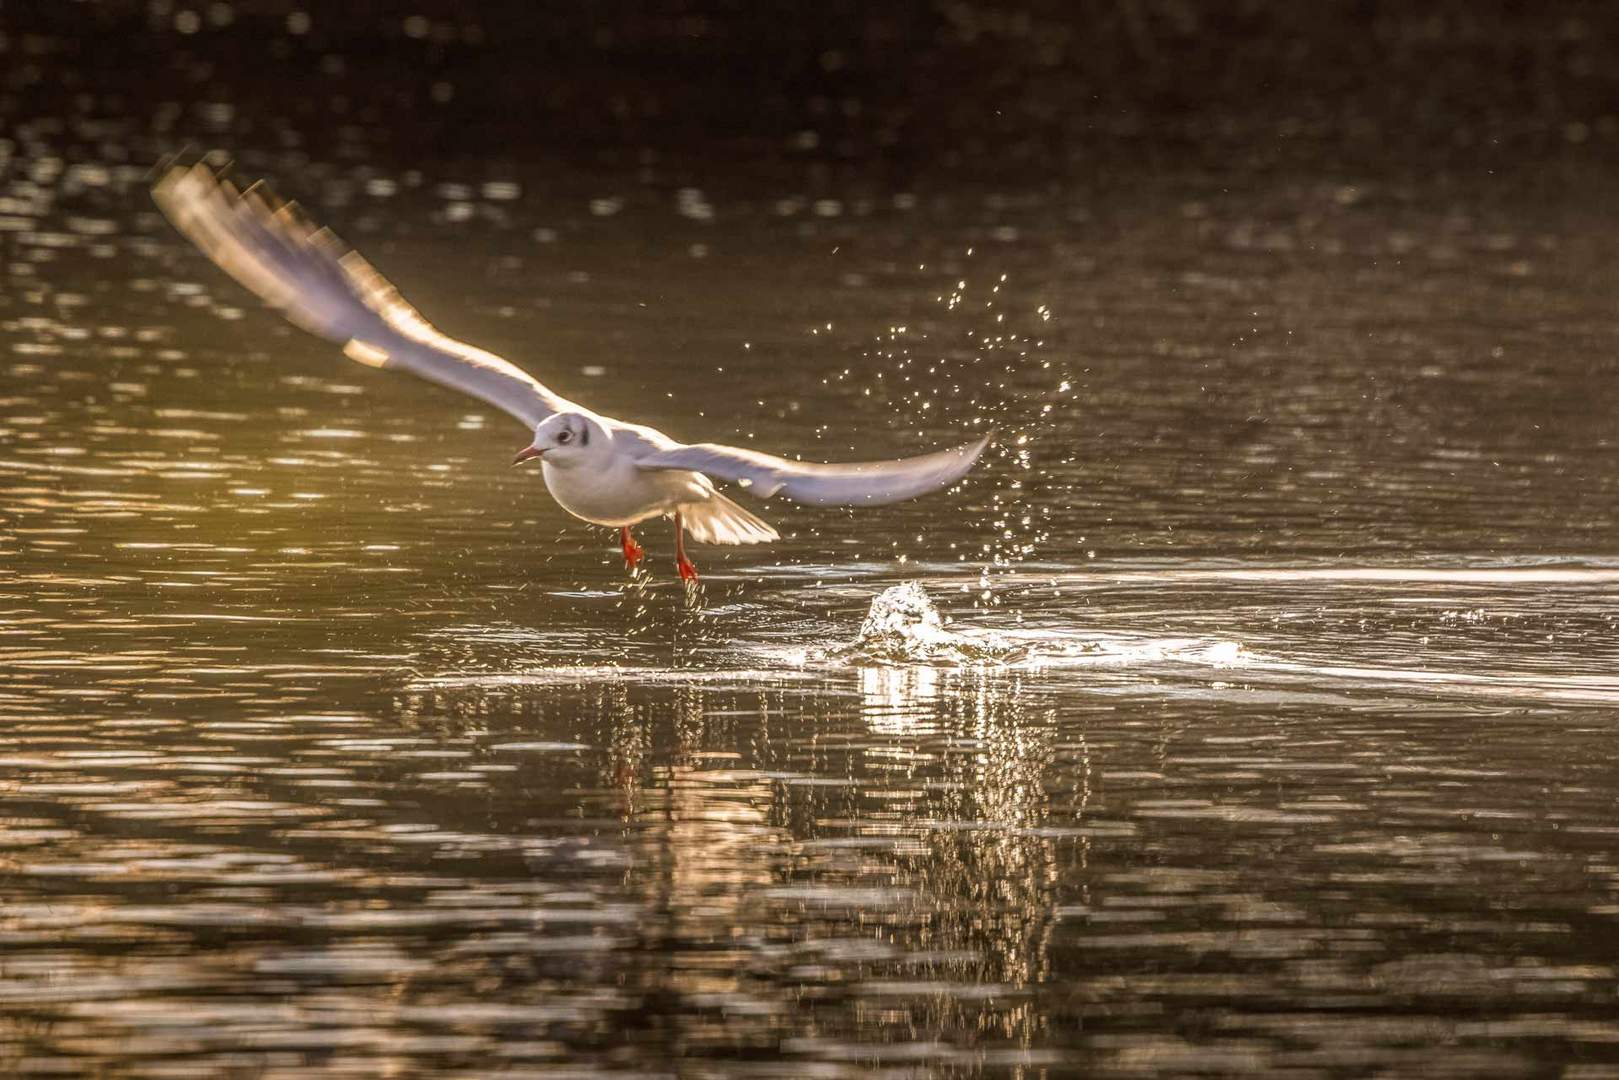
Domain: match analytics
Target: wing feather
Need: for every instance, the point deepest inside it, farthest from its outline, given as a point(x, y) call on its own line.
point(866, 483)
point(321, 285)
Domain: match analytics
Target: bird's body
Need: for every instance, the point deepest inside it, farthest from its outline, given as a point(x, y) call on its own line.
point(592, 467)
point(610, 490)
point(598, 469)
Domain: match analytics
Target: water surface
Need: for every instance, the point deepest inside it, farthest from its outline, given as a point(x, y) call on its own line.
point(1270, 731)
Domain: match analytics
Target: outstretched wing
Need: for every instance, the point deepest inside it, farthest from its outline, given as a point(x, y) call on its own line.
point(317, 282)
point(866, 483)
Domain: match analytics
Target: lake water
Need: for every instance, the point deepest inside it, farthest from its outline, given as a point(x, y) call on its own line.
point(1268, 728)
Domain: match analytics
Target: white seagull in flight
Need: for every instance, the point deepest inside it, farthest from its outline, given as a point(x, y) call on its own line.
point(599, 469)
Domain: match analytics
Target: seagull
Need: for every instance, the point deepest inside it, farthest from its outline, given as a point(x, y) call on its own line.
point(598, 469)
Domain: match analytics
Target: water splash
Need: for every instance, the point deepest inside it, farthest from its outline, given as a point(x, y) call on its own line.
point(903, 627)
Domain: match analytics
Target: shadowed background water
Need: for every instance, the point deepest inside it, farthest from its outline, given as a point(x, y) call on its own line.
point(1269, 729)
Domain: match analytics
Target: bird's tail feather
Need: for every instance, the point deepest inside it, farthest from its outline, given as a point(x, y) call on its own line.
point(718, 520)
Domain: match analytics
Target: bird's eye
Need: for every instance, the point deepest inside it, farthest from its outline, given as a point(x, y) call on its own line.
point(564, 437)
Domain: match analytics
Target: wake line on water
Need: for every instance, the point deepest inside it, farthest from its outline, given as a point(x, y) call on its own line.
point(1506, 575)
point(902, 629)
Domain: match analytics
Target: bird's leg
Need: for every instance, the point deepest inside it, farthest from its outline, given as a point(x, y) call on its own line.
point(632, 551)
point(688, 572)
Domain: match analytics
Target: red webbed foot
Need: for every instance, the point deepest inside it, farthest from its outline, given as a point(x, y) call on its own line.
point(633, 552)
point(688, 572)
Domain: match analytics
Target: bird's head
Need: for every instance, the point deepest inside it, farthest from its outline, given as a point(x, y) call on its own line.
point(565, 440)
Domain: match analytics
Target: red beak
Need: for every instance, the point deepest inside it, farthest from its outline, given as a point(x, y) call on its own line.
point(526, 453)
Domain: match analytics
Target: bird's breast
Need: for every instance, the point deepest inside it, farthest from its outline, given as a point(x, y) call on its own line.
point(618, 495)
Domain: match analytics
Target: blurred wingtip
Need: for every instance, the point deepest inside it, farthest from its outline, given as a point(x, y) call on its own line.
point(178, 173)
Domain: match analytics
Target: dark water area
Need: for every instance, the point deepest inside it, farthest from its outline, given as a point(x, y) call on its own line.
point(1248, 712)
point(1031, 90)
